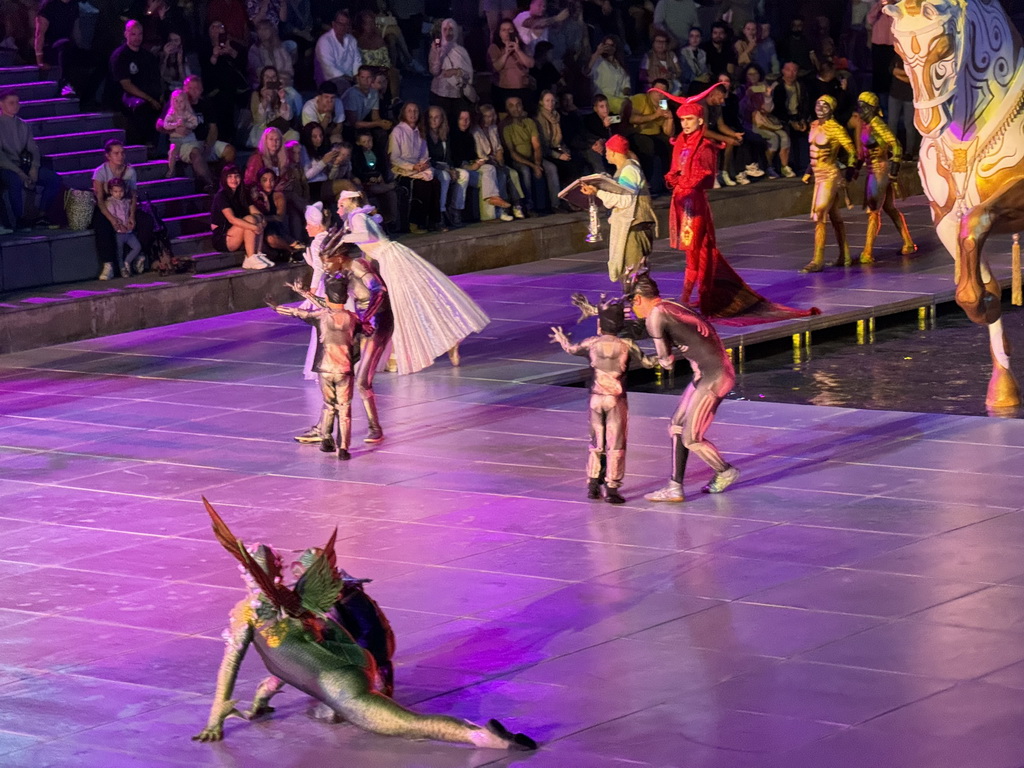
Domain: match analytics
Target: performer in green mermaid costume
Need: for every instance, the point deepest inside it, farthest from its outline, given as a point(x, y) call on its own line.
point(302, 646)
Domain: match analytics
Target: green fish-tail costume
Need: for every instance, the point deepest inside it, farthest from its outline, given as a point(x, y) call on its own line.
point(303, 647)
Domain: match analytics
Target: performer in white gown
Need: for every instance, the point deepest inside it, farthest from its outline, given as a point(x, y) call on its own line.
point(432, 314)
point(315, 229)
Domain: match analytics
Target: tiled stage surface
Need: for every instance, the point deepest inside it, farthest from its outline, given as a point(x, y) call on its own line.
point(856, 600)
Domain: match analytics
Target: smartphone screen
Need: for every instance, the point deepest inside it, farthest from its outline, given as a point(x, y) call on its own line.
point(663, 104)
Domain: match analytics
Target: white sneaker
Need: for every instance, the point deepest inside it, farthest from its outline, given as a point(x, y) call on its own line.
point(263, 257)
point(673, 492)
point(787, 172)
point(253, 262)
point(717, 184)
point(108, 271)
point(727, 179)
point(741, 178)
point(505, 216)
point(68, 92)
point(517, 212)
point(754, 171)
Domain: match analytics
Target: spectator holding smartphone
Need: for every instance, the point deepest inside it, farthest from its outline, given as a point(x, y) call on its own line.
point(510, 63)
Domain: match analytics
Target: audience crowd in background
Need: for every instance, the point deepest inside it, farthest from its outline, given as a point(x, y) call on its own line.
point(520, 100)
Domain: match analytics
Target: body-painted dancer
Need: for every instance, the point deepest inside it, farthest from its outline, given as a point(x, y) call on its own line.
point(609, 412)
point(302, 646)
point(432, 314)
point(336, 353)
point(633, 223)
point(881, 153)
point(674, 327)
point(721, 293)
point(828, 139)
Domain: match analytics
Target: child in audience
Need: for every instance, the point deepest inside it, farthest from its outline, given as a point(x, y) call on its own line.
point(120, 208)
point(180, 121)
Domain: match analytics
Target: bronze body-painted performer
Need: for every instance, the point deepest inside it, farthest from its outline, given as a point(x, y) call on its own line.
point(304, 647)
point(609, 411)
point(881, 154)
point(337, 350)
point(828, 139)
point(965, 65)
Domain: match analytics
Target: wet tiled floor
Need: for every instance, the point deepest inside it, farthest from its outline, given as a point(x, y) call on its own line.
point(855, 600)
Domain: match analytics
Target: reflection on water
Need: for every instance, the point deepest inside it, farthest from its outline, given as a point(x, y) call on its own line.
point(944, 370)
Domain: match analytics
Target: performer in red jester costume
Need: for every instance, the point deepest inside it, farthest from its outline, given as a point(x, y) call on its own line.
point(721, 293)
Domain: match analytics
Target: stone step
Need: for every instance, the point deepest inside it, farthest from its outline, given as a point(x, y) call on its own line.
point(78, 142)
point(189, 224)
point(191, 245)
point(35, 89)
point(48, 108)
point(18, 75)
point(161, 189)
point(216, 261)
point(152, 170)
point(62, 125)
point(182, 206)
point(91, 159)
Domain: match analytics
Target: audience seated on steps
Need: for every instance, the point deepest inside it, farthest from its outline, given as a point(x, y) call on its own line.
point(19, 164)
point(136, 72)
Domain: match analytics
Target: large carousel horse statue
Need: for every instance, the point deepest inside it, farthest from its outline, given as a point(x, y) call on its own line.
point(966, 65)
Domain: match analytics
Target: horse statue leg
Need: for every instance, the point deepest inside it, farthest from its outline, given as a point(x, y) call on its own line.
point(979, 295)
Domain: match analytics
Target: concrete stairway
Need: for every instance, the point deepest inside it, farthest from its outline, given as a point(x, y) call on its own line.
point(72, 144)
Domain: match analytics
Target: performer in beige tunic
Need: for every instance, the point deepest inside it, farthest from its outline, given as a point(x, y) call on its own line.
point(632, 220)
point(828, 138)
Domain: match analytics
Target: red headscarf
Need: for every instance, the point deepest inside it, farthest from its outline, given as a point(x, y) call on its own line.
point(619, 144)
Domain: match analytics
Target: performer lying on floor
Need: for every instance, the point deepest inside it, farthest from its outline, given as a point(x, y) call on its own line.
point(302, 646)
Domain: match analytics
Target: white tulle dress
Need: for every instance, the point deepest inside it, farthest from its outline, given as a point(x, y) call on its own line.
point(316, 287)
point(432, 314)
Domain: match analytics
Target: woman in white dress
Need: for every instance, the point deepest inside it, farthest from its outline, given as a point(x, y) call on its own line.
point(432, 314)
point(315, 229)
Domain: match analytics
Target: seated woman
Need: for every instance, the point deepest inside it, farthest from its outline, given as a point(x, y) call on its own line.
point(560, 167)
point(454, 180)
point(233, 223)
point(756, 109)
point(270, 107)
point(481, 174)
point(407, 151)
point(266, 202)
point(316, 157)
point(269, 51)
point(115, 166)
point(489, 147)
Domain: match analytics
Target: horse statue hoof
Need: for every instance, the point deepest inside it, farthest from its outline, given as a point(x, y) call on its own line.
point(1003, 390)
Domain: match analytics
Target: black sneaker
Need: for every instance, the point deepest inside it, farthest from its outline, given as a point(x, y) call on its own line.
point(612, 496)
point(375, 435)
point(327, 445)
point(343, 455)
point(593, 489)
